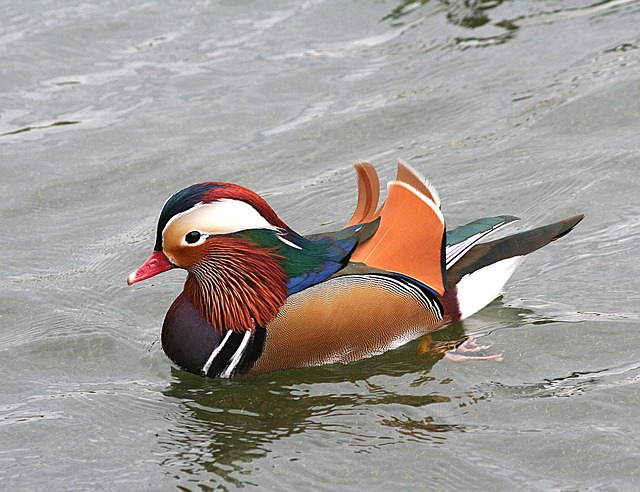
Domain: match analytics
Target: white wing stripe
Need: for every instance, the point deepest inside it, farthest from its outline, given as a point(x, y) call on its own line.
point(456, 251)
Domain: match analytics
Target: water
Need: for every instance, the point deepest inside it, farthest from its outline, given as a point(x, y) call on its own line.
point(526, 108)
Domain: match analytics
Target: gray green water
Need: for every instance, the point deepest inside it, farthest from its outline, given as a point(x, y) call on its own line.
point(525, 108)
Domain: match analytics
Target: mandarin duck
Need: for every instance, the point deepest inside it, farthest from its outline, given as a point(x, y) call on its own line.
point(260, 297)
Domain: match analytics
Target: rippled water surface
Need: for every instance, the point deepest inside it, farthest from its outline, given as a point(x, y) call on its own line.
point(528, 108)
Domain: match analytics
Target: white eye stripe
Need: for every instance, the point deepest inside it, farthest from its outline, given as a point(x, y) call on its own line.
point(224, 216)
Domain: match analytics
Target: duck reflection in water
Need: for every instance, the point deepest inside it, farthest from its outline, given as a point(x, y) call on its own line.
point(229, 423)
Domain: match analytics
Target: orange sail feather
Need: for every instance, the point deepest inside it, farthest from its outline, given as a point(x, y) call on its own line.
point(410, 238)
point(368, 194)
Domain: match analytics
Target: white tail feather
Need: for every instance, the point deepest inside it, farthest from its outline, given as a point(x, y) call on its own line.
point(479, 288)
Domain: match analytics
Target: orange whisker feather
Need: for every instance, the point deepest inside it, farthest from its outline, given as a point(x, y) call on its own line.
point(237, 285)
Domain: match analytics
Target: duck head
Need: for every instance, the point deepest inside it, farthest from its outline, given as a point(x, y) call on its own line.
point(232, 245)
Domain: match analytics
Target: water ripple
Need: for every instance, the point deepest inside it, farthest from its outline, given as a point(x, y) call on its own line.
point(576, 384)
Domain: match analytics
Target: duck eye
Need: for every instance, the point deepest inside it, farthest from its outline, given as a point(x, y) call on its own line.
point(192, 237)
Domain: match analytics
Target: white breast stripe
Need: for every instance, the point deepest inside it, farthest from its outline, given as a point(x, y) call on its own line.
point(235, 360)
point(216, 351)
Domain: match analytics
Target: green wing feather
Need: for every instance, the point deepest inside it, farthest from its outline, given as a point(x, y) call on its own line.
point(312, 259)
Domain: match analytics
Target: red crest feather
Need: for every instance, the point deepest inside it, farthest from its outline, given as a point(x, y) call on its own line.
point(237, 192)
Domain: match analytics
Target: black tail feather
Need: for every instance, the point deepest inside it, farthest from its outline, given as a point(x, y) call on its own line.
point(519, 244)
